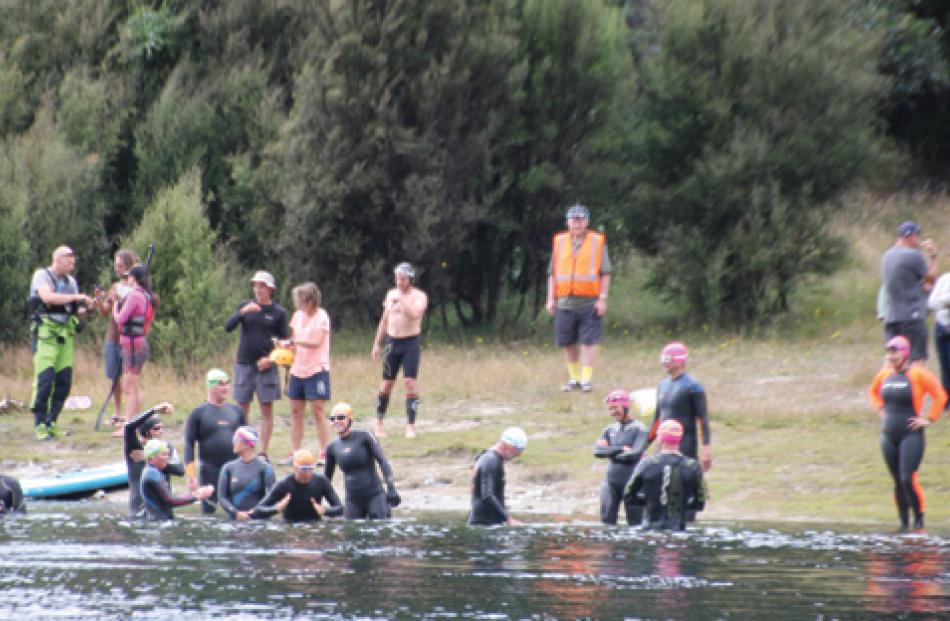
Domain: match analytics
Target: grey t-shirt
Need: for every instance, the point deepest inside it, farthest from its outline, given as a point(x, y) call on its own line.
point(64, 284)
point(903, 271)
point(576, 302)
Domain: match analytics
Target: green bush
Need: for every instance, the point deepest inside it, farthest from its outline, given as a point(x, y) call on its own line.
point(189, 274)
point(59, 188)
point(14, 269)
point(747, 134)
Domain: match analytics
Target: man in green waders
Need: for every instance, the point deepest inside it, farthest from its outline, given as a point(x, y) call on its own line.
point(55, 303)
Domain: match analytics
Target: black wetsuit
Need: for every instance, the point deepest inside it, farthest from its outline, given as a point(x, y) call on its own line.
point(620, 468)
point(357, 455)
point(133, 442)
point(683, 399)
point(902, 446)
point(157, 495)
point(257, 330)
point(488, 490)
point(668, 485)
point(212, 427)
point(11, 496)
point(300, 509)
point(243, 484)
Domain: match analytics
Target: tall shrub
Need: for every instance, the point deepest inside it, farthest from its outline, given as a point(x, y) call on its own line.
point(754, 117)
point(189, 273)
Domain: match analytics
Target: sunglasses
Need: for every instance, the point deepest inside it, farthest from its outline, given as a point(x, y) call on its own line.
point(339, 417)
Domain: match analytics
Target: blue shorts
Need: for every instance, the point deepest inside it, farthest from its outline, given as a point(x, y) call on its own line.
point(313, 388)
point(112, 355)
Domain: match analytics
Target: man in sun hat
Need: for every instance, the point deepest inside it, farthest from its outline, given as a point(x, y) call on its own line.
point(262, 320)
point(908, 272)
point(488, 482)
point(668, 484)
point(578, 282)
point(211, 426)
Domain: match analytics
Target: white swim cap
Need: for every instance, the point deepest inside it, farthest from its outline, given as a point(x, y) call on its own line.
point(516, 437)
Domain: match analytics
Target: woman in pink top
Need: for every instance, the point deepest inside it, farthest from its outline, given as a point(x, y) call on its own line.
point(133, 316)
point(310, 372)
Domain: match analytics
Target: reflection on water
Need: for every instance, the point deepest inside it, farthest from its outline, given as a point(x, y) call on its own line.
point(68, 561)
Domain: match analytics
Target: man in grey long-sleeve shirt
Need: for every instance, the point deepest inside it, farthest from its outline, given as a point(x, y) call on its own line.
point(488, 485)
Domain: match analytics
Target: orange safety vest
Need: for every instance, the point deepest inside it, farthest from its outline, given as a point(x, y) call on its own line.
point(577, 274)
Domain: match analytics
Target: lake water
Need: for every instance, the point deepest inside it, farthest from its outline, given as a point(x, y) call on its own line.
point(83, 561)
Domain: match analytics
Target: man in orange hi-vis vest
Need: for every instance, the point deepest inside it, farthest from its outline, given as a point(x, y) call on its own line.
point(578, 281)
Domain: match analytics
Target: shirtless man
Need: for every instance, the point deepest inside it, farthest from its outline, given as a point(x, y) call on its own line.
point(400, 327)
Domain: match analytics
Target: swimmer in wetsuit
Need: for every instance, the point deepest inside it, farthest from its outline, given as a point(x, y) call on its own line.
point(245, 481)
point(668, 485)
point(299, 496)
point(623, 444)
point(488, 480)
point(357, 453)
point(680, 397)
point(142, 428)
point(212, 425)
point(11, 496)
point(156, 492)
point(897, 393)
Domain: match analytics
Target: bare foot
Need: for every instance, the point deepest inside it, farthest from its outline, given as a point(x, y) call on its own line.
point(410, 431)
point(379, 430)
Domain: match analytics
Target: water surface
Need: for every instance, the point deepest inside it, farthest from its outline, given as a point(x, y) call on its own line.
point(82, 561)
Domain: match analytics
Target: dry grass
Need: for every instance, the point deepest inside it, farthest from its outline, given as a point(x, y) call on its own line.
point(794, 438)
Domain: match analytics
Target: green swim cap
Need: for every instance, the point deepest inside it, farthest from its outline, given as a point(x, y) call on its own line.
point(154, 447)
point(215, 377)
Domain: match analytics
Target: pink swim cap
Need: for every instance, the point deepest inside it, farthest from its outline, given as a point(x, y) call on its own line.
point(674, 352)
point(618, 396)
point(670, 432)
point(899, 343)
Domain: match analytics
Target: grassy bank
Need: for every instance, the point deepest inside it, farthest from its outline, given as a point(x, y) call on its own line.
point(793, 435)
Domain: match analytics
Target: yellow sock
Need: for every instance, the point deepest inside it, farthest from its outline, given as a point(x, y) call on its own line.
point(587, 373)
point(574, 370)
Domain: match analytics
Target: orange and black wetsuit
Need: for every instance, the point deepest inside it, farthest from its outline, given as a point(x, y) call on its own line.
point(683, 399)
point(901, 394)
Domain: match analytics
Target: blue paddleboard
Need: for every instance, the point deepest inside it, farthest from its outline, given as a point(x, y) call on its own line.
point(76, 482)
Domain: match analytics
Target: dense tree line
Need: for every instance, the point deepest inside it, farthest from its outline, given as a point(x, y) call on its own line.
point(328, 140)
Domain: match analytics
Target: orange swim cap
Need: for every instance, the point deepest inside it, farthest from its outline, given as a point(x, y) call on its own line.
point(304, 459)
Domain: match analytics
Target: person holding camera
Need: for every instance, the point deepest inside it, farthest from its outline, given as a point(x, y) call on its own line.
point(55, 305)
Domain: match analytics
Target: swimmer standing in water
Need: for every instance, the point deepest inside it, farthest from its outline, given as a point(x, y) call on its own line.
point(897, 393)
point(668, 485)
point(299, 496)
point(622, 443)
point(358, 453)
